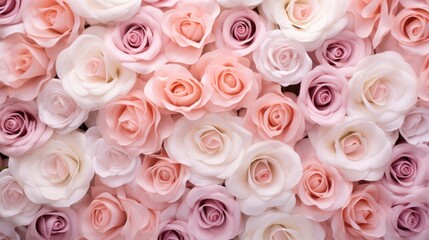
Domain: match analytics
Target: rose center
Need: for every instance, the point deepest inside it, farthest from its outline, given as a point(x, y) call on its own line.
point(192, 30)
point(211, 141)
point(261, 171)
point(7, 6)
point(95, 67)
point(353, 145)
point(23, 62)
point(377, 92)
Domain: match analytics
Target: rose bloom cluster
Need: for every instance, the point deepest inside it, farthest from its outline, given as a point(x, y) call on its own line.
point(214, 119)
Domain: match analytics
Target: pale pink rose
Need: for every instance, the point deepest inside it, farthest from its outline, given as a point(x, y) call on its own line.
point(162, 177)
point(172, 228)
point(274, 116)
point(239, 30)
point(160, 3)
point(413, 3)
point(8, 230)
point(24, 68)
point(139, 42)
point(410, 29)
point(189, 26)
point(10, 11)
point(21, 129)
point(273, 225)
point(233, 84)
point(51, 23)
point(173, 88)
point(423, 81)
point(14, 204)
point(415, 128)
point(3, 93)
point(112, 163)
point(133, 122)
point(373, 18)
point(211, 213)
point(265, 178)
point(281, 59)
point(344, 51)
point(322, 189)
point(323, 96)
point(235, 3)
point(365, 216)
point(54, 223)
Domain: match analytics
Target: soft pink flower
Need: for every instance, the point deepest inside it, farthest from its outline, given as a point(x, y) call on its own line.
point(415, 128)
point(160, 3)
point(172, 228)
point(10, 12)
point(189, 26)
point(8, 230)
point(423, 81)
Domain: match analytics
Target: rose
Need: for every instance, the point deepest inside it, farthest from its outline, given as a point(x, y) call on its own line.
point(308, 22)
point(281, 59)
point(133, 122)
point(344, 51)
point(163, 178)
point(112, 163)
point(172, 87)
point(423, 82)
point(240, 30)
point(384, 92)
point(138, 42)
point(365, 215)
point(274, 116)
point(161, 3)
point(407, 169)
point(51, 23)
point(235, 3)
point(106, 11)
point(229, 78)
point(409, 29)
point(322, 189)
point(212, 146)
point(60, 171)
point(25, 67)
point(273, 225)
point(414, 128)
point(175, 229)
point(189, 26)
point(57, 109)
point(14, 205)
point(10, 12)
point(8, 230)
point(358, 148)
point(53, 223)
point(211, 213)
point(21, 130)
point(265, 178)
point(90, 77)
point(323, 96)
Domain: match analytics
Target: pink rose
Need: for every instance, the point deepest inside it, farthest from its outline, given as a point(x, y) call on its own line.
point(139, 42)
point(423, 81)
point(189, 26)
point(415, 126)
point(211, 213)
point(274, 116)
point(160, 3)
point(8, 230)
point(25, 67)
point(54, 223)
point(21, 130)
point(172, 228)
point(365, 216)
point(133, 122)
point(172, 87)
point(230, 79)
point(344, 51)
point(322, 189)
point(323, 96)
point(10, 12)
point(240, 30)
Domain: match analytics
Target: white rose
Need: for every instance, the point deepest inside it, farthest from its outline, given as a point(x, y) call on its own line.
point(58, 110)
point(14, 205)
point(383, 88)
point(112, 163)
point(105, 11)
point(265, 178)
point(358, 148)
point(308, 21)
point(212, 146)
point(90, 77)
point(236, 3)
point(273, 225)
point(58, 173)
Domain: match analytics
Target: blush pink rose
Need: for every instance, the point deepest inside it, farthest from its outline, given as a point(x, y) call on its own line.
point(189, 26)
point(323, 96)
point(415, 128)
point(160, 3)
point(274, 116)
point(423, 81)
point(21, 129)
point(239, 30)
point(25, 67)
point(211, 213)
point(233, 84)
point(173, 88)
point(139, 42)
point(365, 215)
point(10, 11)
point(133, 122)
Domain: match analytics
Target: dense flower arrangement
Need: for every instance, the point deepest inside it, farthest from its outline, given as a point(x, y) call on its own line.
point(214, 119)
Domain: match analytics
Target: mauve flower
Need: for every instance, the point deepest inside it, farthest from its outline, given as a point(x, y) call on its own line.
point(415, 128)
point(10, 11)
